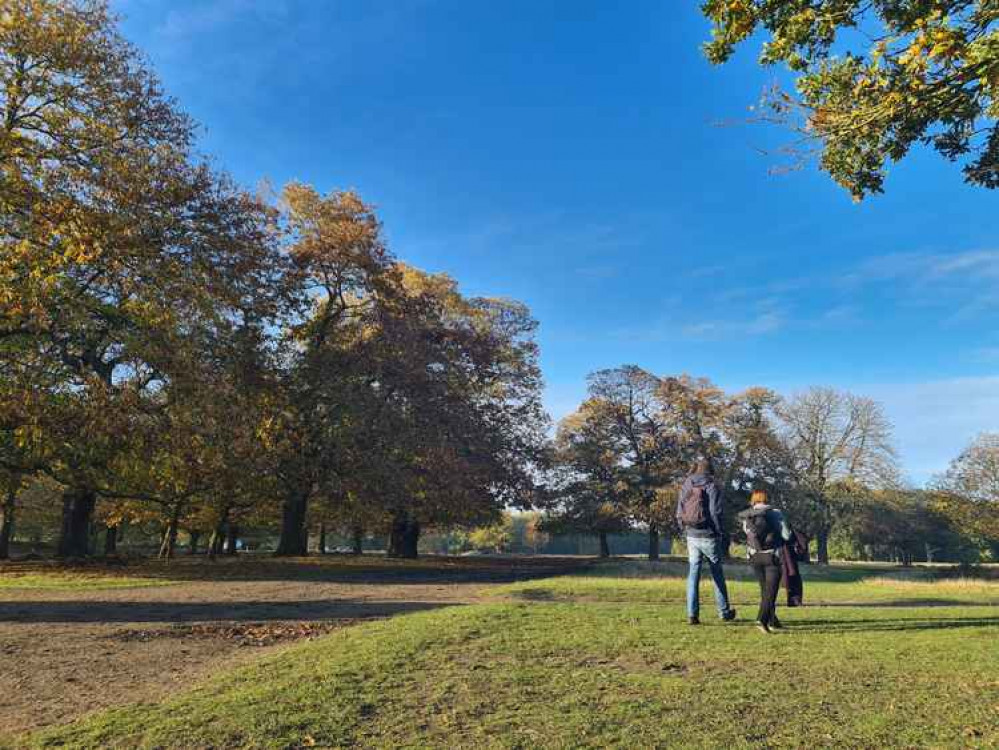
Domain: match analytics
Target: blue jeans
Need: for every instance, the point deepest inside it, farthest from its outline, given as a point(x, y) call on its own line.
point(699, 549)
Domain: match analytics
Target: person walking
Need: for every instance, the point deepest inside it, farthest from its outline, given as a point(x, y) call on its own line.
point(767, 536)
point(699, 515)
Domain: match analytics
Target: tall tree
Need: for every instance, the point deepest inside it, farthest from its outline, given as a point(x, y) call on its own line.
point(876, 77)
point(458, 389)
point(694, 413)
point(970, 490)
point(628, 399)
point(340, 263)
point(833, 438)
point(114, 243)
point(588, 493)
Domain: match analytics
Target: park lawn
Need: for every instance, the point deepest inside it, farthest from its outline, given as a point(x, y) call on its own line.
point(665, 582)
point(585, 673)
point(75, 581)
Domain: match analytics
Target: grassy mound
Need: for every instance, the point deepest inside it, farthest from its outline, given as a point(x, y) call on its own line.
point(591, 673)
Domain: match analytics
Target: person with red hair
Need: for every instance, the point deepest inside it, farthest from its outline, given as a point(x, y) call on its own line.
point(767, 537)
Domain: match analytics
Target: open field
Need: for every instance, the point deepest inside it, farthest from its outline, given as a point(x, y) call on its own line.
point(600, 657)
point(81, 639)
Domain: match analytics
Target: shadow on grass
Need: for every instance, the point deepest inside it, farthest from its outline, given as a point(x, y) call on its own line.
point(903, 603)
point(123, 612)
point(535, 595)
point(369, 569)
point(865, 625)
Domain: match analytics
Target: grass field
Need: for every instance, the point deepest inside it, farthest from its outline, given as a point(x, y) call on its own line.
point(605, 659)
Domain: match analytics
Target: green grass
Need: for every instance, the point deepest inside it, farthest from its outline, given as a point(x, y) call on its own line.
point(665, 583)
point(613, 667)
point(74, 581)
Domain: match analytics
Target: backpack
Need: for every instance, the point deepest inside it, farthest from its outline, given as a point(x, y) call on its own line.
point(760, 531)
point(694, 508)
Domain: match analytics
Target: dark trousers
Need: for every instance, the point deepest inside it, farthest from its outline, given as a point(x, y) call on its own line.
point(768, 573)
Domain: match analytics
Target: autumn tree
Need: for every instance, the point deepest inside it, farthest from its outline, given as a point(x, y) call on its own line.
point(458, 390)
point(756, 457)
point(898, 525)
point(115, 243)
point(493, 538)
point(339, 261)
point(835, 440)
point(876, 77)
point(628, 400)
point(694, 413)
point(587, 489)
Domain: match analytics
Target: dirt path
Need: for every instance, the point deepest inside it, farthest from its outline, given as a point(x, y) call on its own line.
point(64, 653)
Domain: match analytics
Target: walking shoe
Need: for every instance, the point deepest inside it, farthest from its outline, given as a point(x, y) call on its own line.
point(775, 624)
point(729, 616)
point(693, 621)
point(762, 626)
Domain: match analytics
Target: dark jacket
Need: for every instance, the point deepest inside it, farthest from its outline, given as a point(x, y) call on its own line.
point(791, 577)
point(715, 527)
point(775, 520)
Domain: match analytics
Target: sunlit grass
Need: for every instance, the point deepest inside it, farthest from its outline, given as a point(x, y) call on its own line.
point(665, 582)
point(594, 661)
point(75, 581)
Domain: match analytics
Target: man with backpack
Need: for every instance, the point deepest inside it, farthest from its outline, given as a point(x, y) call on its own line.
point(699, 515)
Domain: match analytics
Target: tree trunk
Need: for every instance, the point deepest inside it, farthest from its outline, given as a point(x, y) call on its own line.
point(164, 537)
point(604, 546)
point(215, 541)
point(405, 537)
point(7, 522)
point(822, 547)
point(358, 539)
point(110, 541)
point(230, 542)
point(321, 542)
point(192, 547)
point(77, 508)
point(170, 535)
point(294, 540)
point(218, 535)
point(653, 541)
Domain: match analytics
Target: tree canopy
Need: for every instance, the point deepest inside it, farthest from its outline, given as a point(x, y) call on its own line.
point(874, 78)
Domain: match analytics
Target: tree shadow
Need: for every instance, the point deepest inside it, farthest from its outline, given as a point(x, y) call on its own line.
point(903, 603)
point(39, 612)
point(330, 569)
point(871, 625)
point(535, 595)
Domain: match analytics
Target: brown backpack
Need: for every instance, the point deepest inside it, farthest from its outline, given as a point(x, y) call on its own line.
point(694, 507)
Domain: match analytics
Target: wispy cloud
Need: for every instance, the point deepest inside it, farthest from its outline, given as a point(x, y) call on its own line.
point(964, 285)
point(181, 23)
point(839, 314)
point(760, 324)
point(971, 266)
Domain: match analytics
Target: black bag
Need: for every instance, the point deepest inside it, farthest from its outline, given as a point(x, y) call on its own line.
point(760, 531)
point(799, 545)
point(694, 508)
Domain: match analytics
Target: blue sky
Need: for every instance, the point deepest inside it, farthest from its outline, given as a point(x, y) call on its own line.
point(583, 157)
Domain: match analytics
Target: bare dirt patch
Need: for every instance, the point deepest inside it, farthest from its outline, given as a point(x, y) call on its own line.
point(68, 652)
